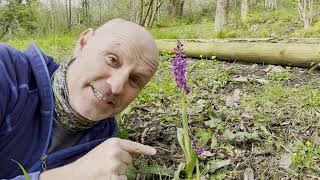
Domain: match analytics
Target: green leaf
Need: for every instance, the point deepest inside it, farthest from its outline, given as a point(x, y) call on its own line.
point(228, 135)
point(157, 170)
point(217, 164)
point(240, 136)
point(177, 172)
point(203, 136)
point(213, 123)
point(214, 142)
point(192, 163)
point(26, 175)
point(263, 128)
point(181, 140)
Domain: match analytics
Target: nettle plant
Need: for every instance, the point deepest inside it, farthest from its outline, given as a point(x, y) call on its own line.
point(191, 149)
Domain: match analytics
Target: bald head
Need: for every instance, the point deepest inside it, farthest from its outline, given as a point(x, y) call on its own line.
point(119, 29)
point(112, 66)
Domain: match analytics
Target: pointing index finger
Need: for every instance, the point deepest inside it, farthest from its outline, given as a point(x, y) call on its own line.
point(137, 148)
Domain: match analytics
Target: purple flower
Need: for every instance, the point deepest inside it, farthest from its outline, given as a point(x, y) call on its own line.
point(179, 65)
point(199, 150)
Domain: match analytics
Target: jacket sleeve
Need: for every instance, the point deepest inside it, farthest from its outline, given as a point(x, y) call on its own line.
point(33, 176)
point(4, 83)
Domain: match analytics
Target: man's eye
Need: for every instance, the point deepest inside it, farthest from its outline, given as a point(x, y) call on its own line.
point(134, 81)
point(112, 61)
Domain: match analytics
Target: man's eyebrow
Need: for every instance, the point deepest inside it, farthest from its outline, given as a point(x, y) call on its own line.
point(144, 69)
point(142, 75)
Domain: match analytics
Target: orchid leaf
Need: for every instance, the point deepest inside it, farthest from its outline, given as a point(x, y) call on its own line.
point(177, 172)
point(180, 135)
point(192, 163)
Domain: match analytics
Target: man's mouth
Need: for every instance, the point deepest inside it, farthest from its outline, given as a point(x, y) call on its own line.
point(100, 96)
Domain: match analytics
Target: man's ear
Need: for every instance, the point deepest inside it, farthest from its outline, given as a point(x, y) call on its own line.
point(82, 41)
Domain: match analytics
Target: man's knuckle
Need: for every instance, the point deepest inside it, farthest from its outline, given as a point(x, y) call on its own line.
point(137, 148)
point(114, 152)
point(113, 140)
point(116, 165)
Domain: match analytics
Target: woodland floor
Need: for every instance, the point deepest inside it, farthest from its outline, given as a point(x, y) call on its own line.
point(264, 120)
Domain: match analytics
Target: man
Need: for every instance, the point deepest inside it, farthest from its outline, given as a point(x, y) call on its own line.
point(58, 121)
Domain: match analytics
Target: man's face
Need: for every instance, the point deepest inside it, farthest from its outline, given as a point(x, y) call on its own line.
point(112, 67)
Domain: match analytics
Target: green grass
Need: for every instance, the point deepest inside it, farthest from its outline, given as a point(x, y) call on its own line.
point(274, 106)
point(58, 46)
point(258, 24)
point(191, 31)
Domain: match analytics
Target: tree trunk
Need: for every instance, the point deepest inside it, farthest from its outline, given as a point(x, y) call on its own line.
point(221, 15)
point(100, 11)
point(69, 15)
point(293, 54)
point(176, 8)
point(244, 8)
point(66, 6)
point(88, 19)
point(133, 11)
point(271, 4)
point(141, 12)
point(305, 9)
point(154, 3)
point(85, 12)
point(147, 14)
point(155, 12)
point(52, 4)
point(319, 8)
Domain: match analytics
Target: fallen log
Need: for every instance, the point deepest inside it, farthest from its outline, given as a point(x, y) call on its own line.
point(254, 40)
point(288, 54)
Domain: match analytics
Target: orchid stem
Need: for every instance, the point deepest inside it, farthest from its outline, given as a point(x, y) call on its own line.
point(198, 171)
point(185, 125)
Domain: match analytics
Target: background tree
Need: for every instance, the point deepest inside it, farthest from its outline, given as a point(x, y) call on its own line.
point(305, 9)
point(42, 17)
point(85, 14)
point(69, 13)
point(244, 8)
point(175, 8)
point(16, 15)
point(271, 4)
point(221, 15)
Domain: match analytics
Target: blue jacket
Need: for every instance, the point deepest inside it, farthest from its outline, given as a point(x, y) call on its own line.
point(26, 115)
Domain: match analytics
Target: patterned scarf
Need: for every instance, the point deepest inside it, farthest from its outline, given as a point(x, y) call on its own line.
point(64, 115)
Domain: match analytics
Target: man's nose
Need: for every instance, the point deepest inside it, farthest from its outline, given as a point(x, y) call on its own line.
point(117, 83)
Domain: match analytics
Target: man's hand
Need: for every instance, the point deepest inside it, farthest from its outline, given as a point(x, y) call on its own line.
point(107, 161)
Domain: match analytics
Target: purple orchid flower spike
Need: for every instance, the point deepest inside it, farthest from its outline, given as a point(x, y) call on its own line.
point(199, 150)
point(179, 67)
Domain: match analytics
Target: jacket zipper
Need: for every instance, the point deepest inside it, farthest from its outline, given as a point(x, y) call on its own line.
point(44, 159)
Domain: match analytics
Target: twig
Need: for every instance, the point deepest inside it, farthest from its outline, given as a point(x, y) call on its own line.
point(285, 148)
point(163, 149)
point(238, 165)
point(144, 133)
point(262, 173)
point(313, 177)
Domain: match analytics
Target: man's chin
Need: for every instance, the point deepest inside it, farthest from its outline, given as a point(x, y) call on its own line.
point(99, 116)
